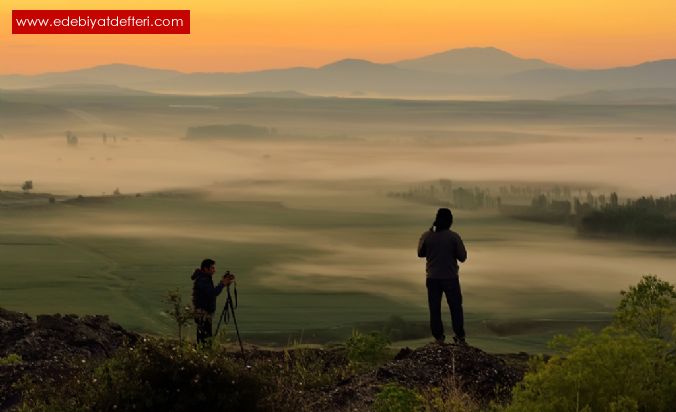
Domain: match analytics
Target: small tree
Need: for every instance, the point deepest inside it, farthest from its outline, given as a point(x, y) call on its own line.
point(649, 308)
point(396, 398)
point(27, 186)
point(364, 350)
point(627, 367)
point(180, 313)
point(607, 372)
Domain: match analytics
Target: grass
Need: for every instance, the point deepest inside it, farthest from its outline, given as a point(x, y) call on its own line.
point(302, 273)
point(70, 269)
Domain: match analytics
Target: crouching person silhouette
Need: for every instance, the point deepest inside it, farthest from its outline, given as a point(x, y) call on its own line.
point(204, 295)
point(443, 249)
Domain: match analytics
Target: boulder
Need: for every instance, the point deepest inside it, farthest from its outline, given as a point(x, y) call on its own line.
point(52, 347)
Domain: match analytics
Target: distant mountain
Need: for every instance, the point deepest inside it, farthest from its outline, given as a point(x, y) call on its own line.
point(358, 66)
point(342, 77)
point(123, 75)
point(657, 74)
point(486, 72)
point(624, 96)
point(474, 61)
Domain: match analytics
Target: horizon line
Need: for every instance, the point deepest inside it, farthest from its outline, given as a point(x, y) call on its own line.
point(271, 68)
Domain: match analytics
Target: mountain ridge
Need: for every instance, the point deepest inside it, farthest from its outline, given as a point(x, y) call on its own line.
point(485, 60)
point(473, 71)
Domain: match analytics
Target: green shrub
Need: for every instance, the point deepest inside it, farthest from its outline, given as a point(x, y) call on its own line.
point(627, 367)
point(180, 313)
point(367, 349)
point(649, 309)
point(153, 376)
point(449, 398)
point(609, 371)
point(396, 398)
point(301, 369)
point(11, 359)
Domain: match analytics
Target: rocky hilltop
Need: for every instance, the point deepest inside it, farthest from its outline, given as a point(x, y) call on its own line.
point(52, 348)
point(470, 370)
point(50, 345)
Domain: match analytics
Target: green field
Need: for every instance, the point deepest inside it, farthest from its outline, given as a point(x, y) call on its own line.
point(312, 274)
point(303, 216)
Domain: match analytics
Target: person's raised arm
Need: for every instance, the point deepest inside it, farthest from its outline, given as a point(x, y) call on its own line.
point(218, 288)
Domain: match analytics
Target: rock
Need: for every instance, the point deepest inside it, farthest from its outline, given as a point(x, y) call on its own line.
point(483, 376)
point(12, 326)
point(53, 347)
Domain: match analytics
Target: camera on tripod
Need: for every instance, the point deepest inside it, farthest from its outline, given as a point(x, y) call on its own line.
point(230, 306)
point(228, 278)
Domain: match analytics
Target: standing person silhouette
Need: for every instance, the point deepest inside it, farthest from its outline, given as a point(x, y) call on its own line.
point(204, 295)
point(443, 249)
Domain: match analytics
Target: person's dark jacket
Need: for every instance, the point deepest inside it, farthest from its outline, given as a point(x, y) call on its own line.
point(443, 250)
point(204, 292)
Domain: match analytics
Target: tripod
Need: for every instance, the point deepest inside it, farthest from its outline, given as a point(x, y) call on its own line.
point(229, 310)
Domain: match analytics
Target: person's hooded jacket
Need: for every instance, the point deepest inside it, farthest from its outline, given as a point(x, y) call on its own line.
point(204, 292)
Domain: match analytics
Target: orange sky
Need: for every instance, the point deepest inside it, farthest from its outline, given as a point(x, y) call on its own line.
point(260, 34)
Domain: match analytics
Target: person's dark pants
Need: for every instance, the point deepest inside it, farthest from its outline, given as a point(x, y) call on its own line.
point(435, 289)
point(204, 330)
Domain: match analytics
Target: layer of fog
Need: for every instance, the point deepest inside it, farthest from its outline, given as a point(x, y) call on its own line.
point(511, 262)
point(635, 166)
point(355, 175)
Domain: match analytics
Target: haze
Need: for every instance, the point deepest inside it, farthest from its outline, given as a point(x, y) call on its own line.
point(153, 163)
point(303, 208)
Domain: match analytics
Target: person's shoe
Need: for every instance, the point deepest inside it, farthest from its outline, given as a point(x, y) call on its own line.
point(459, 341)
point(440, 341)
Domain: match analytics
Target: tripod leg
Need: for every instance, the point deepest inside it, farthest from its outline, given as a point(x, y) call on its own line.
point(234, 319)
point(220, 319)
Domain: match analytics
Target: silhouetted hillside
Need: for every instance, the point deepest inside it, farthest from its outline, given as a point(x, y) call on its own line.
point(474, 61)
point(470, 71)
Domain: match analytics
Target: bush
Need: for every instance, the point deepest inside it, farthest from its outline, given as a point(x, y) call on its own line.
point(180, 313)
point(627, 367)
point(153, 376)
point(449, 398)
point(648, 309)
point(11, 359)
point(302, 369)
point(367, 349)
point(396, 398)
point(610, 371)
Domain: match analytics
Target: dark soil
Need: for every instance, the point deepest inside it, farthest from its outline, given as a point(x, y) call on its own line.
point(53, 347)
point(483, 376)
